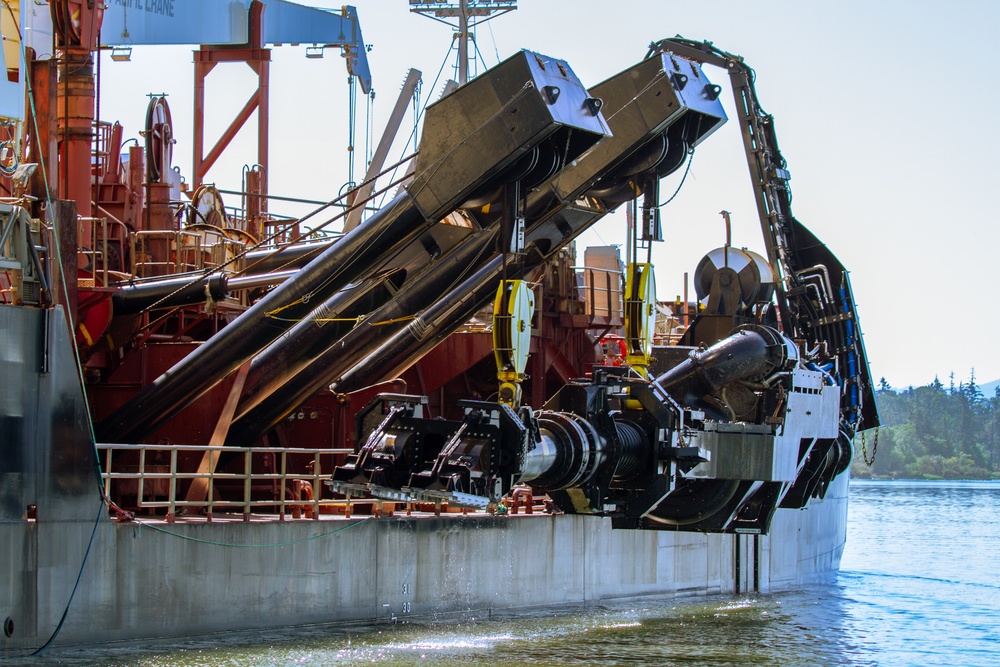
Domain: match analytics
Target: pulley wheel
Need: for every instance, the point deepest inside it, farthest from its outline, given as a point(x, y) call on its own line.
point(755, 275)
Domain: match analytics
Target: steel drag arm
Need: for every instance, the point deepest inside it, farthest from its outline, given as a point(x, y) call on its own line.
point(795, 254)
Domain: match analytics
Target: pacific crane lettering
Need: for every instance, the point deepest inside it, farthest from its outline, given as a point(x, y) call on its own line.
point(161, 7)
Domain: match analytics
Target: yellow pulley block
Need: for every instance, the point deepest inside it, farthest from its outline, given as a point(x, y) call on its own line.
point(512, 312)
point(640, 316)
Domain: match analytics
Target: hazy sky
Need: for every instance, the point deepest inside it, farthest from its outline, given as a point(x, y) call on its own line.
point(885, 112)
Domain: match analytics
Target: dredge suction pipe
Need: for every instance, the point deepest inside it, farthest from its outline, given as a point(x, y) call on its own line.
point(183, 291)
point(290, 257)
point(282, 388)
point(290, 353)
point(503, 114)
point(169, 293)
point(430, 327)
point(644, 105)
point(208, 365)
point(753, 353)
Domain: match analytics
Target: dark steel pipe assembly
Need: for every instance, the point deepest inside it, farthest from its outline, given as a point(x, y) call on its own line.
point(503, 114)
point(649, 454)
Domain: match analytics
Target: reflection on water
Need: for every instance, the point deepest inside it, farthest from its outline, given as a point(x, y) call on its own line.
point(919, 585)
point(718, 631)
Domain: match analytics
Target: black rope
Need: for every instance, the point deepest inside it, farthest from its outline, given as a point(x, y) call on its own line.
point(79, 576)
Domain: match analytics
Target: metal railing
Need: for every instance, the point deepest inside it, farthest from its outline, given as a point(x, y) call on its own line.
point(154, 476)
point(603, 291)
point(101, 149)
point(98, 250)
point(176, 251)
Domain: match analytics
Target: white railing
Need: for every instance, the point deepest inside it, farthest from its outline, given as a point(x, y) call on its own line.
point(153, 476)
point(603, 291)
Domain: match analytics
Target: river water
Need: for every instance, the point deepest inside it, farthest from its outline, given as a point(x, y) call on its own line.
point(919, 585)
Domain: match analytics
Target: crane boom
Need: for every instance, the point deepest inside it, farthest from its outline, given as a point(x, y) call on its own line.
point(222, 22)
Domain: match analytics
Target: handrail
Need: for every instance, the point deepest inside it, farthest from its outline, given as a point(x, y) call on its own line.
point(113, 477)
point(612, 289)
point(184, 246)
point(99, 244)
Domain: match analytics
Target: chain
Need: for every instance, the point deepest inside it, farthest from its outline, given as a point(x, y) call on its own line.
point(864, 450)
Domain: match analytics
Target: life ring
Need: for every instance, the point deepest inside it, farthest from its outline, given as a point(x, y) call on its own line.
point(615, 350)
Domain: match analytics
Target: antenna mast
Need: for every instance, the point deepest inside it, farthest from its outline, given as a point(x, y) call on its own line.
point(469, 14)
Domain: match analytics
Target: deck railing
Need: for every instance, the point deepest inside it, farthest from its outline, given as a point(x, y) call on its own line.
point(603, 291)
point(155, 473)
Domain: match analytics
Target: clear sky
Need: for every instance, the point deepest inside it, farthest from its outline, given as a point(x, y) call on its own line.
point(884, 110)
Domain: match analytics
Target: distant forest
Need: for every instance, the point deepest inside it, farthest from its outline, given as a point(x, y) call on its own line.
point(933, 432)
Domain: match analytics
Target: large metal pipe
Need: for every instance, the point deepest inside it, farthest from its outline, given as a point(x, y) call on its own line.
point(309, 338)
point(169, 293)
point(400, 351)
point(290, 257)
point(261, 323)
point(257, 280)
point(305, 361)
point(308, 368)
point(752, 353)
point(642, 105)
point(430, 327)
point(262, 409)
point(503, 114)
point(187, 290)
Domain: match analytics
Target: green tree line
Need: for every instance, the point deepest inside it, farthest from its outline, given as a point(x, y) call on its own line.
point(932, 432)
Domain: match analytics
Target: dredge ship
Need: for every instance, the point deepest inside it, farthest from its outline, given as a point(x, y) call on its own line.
point(216, 420)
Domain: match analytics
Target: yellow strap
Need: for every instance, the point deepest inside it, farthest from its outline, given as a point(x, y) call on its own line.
point(86, 334)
